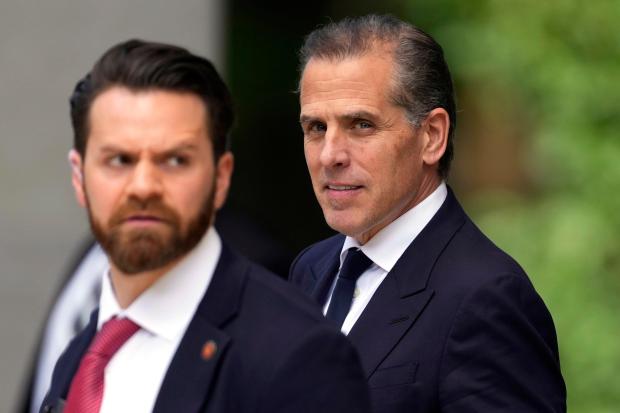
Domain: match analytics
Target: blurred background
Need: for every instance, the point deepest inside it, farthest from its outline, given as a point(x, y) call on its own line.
point(537, 145)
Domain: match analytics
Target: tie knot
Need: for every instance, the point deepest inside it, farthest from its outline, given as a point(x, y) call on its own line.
point(113, 334)
point(355, 263)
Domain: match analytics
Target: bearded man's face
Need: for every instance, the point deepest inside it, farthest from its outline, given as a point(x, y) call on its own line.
point(148, 177)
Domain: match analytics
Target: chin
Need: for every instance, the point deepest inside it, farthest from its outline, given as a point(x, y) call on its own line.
point(342, 224)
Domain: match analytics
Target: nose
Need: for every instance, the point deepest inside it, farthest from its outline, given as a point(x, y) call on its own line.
point(335, 150)
point(145, 182)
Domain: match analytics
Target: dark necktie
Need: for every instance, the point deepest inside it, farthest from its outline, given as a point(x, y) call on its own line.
point(355, 263)
point(86, 391)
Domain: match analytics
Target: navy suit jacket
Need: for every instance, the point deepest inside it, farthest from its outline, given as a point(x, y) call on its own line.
point(456, 326)
point(275, 353)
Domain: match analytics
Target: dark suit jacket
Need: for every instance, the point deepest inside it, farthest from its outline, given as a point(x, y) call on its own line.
point(274, 352)
point(240, 232)
point(456, 326)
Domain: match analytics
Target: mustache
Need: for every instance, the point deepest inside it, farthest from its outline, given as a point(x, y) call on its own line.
point(150, 207)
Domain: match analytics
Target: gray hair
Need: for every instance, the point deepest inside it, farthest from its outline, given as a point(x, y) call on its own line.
point(422, 79)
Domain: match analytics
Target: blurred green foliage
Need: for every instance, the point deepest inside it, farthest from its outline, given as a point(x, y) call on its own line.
point(561, 59)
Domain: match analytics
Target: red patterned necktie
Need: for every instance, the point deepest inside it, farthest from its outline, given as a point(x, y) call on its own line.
point(86, 391)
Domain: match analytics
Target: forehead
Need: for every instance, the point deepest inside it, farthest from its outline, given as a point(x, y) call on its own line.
point(362, 80)
point(128, 117)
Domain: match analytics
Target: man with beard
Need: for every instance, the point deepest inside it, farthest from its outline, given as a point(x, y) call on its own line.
point(184, 323)
point(443, 320)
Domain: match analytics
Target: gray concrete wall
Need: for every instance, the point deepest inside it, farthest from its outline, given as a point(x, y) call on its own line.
point(45, 47)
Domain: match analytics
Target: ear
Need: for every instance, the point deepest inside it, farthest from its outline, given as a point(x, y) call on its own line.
point(77, 177)
point(224, 170)
point(435, 128)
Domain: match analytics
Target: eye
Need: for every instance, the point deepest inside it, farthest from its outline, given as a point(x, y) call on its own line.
point(176, 161)
point(120, 160)
point(317, 127)
point(363, 124)
point(314, 129)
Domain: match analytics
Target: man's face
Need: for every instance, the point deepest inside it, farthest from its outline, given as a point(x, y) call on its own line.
point(150, 183)
point(366, 161)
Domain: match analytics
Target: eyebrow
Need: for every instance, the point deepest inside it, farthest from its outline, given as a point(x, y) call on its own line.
point(358, 114)
point(110, 148)
point(182, 147)
point(307, 119)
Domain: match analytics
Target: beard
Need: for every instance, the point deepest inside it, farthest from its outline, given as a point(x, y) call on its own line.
point(137, 250)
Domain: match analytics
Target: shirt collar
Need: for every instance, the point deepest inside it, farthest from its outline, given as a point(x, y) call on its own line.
point(389, 244)
point(166, 308)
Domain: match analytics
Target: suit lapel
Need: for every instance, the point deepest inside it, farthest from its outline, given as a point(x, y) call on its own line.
point(193, 371)
point(324, 271)
point(67, 366)
point(189, 378)
point(67, 369)
point(403, 295)
point(386, 318)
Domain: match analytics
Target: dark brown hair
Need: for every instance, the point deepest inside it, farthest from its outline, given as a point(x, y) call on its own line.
point(140, 65)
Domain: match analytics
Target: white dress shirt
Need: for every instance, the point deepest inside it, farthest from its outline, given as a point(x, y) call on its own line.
point(135, 373)
point(384, 249)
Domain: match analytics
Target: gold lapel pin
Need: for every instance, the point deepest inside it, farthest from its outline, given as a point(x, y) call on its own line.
point(209, 350)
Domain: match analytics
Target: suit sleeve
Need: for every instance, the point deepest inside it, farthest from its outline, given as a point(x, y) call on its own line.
point(502, 353)
point(323, 374)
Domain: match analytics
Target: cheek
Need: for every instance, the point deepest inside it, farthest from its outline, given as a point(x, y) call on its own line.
point(190, 201)
point(311, 153)
point(394, 169)
point(374, 164)
point(102, 195)
point(188, 196)
point(407, 175)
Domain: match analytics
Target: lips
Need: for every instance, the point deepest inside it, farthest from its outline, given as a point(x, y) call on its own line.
point(343, 187)
point(139, 213)
point(341, 193)
point(143, 218)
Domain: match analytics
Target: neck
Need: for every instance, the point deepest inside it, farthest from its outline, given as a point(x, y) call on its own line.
point(428, 185)
point(128, 287)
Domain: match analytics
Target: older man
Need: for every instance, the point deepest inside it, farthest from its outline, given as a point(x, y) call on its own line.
point(444, 320)
point(184, 323)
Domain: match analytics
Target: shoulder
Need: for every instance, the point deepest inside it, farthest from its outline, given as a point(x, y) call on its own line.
point(305, 363)
point(491, 280)
point(476, 260)
point(324, 374)
point(319, 249)
point(284, 346)
point(473, 272)
point(502, 331)
point(277, 313)
point(274, 294)
point(255, 299)
point(499, 328)
point(313, 254)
